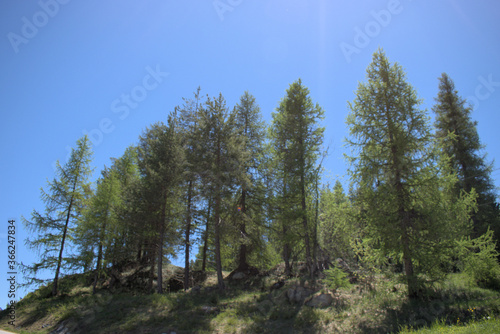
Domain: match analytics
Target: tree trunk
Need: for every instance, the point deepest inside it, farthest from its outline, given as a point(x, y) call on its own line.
point(59, 260)
point(286, 252)
point(205, 240)
point(152, 258)
point(306, 228)
point(159, 285)
point(187, 236)
point(242, 257)
point(218, 263)
point(99, 259)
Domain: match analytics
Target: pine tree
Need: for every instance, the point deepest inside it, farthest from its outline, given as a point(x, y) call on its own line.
point(297, 139)
point(251, 130)
point(336, 228)
point(219, 163)
point(94, 227)
point(460, 141)
point(190, 134)
point(124, 245)
point(65, 202)
point(402, 187)
point(160, 161)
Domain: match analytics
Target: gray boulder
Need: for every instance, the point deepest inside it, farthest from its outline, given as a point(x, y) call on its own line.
point(297, 295)
point(321, 300)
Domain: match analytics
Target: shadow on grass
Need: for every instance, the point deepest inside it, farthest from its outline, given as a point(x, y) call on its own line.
point(455, 306)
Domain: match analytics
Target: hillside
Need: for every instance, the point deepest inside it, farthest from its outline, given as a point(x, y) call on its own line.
point(259, 303)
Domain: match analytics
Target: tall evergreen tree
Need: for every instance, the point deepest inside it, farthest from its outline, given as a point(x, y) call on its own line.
point(160, 161)
point(251, 130)
point(189, 131)
point(406, 197)
point(460, 141)
point(65, 201)
point(297, 139)
point(93, 230)
point(337, 229)
point(219, 164)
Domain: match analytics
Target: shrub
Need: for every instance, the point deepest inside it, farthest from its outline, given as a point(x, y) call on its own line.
point(336, 278)
point(480, 261)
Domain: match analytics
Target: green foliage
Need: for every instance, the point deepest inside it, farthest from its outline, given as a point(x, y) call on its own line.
point(403, 188)
point(336, 278)
point(64, 205)
point(295, 146)
point(459, 141)
point(337, 223)
point(480, 260)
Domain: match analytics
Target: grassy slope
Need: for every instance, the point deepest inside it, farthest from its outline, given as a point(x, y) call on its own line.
point(377, 307)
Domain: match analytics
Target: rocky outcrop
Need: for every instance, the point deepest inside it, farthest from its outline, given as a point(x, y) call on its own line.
point(320, 300)
point(297, 294)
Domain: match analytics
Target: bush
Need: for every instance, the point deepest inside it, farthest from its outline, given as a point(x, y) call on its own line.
point(480, 261)
point(336, 278)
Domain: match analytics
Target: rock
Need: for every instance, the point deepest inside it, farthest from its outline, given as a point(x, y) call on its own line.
point(196, 289)
point(298, 294)
point(62, 329)
point(210, 309)
point(321, 300)
point(239, 275)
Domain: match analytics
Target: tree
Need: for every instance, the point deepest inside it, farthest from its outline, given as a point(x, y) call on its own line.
point(93, 229)
point(64, 204)
point(402, 186)
point(336, 227)
point(460, 141)
point(123, 232)
point(296, 139)
point(190, 134)
point(219, 164)
point(160, 161)
point(251, 130)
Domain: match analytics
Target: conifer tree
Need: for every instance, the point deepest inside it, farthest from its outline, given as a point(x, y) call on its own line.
point(160, 161)
point(189, 130)
point(403, 188)
point(94, 227)
point(297, 139)
point(460, 141)
point(251, 130)
point(219, 164)
point(65, 201)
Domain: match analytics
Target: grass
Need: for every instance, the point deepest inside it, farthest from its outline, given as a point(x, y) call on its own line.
point(378, 305)
point(485, 326)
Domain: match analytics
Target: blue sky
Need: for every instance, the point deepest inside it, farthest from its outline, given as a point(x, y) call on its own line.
point(111, 69)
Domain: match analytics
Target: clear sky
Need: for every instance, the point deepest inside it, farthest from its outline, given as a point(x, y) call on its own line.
point(112, 68)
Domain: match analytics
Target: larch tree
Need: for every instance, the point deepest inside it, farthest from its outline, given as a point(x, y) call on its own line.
point(403, 189)
point(460, 141)
point(64, 203)
point(160, 162)
point(297, 139)
point(219, 164)
point(189, 135)
point(251, 130)
point(93, 230)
